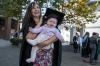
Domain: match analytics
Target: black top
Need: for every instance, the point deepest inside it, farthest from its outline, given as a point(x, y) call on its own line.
point(86, 42)
point(75, 39)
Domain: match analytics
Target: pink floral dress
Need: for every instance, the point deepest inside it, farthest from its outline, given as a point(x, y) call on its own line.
point(44, 57)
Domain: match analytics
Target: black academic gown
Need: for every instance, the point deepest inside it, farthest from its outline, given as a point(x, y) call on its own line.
point(26, 51)
point(57, 53)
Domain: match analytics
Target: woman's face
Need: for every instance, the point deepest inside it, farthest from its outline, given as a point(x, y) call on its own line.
point(36, 10)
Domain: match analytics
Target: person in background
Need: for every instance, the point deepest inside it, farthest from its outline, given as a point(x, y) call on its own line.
point(85, 46)
point(97, 48)
point(75, 41)
point(80, 43)
point(98, 51)
point(93, 48)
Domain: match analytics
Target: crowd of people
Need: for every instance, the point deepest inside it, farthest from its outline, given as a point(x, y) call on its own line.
point(88, 46)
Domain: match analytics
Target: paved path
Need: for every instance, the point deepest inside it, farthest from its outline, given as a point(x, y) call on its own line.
point(9, 56)
point(4, 43)
point(73, 59)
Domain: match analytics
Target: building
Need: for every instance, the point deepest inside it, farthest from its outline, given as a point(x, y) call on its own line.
point(94, 27)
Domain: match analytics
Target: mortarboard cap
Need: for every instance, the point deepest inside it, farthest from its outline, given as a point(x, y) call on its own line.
point(59, 15)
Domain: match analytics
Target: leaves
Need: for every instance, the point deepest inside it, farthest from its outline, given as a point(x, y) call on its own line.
point(41, 2)
point(79, 13)
point(13, 8)
point(58, 4)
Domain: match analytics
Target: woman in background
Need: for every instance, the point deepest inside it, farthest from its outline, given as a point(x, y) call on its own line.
point(86, 46)
point(93, 48)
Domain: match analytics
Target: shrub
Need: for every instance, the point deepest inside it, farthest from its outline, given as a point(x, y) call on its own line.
point(15, 41)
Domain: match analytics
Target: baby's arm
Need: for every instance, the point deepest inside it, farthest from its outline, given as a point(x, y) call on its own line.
point(58, 35)
point(36, 30)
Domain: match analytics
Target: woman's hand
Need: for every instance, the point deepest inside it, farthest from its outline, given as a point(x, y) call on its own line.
point(47, 42)
point(31, 35)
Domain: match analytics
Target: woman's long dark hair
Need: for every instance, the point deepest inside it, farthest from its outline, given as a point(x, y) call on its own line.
point(28, 20)
point(86, 34)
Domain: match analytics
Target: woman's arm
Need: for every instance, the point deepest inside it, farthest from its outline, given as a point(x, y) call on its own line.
point(59, 36)
point(47, 42)
point(31, 35)
point(35, 30)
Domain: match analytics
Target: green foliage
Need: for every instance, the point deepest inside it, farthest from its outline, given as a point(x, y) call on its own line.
point(79, 12)
point(57, 3)
point(41, 2)
point(13, 8)
point(15, 41)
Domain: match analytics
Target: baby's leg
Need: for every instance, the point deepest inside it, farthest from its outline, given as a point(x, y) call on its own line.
point(38, 39)
point(33, 54)
point(32, 42)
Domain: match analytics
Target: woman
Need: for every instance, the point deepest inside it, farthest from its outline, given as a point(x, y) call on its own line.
point(93, 48)
point(75, 40)
point(85, 45)
point(32, 19)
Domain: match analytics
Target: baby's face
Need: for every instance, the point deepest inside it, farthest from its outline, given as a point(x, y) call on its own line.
point(52, 22)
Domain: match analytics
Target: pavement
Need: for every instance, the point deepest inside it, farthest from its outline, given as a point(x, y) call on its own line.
point(9, 56)
point(69, 58)
point(4, 43)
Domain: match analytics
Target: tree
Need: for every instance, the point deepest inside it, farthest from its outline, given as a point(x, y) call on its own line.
point(78, 12)
point(58, 4)
point(10, 9)
point(41, 2)
point(13, 8)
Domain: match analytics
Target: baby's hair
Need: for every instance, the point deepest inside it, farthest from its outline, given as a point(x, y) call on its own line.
point(51, 16)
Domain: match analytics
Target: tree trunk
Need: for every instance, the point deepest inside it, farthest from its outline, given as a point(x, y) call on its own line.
point(72, 33)
point(82, 30)
point(8, 28)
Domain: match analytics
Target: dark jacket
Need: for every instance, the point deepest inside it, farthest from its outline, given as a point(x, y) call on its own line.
point(86, 42)
point(93, 42)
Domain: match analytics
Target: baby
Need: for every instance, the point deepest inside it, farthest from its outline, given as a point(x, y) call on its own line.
point(45, 32)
